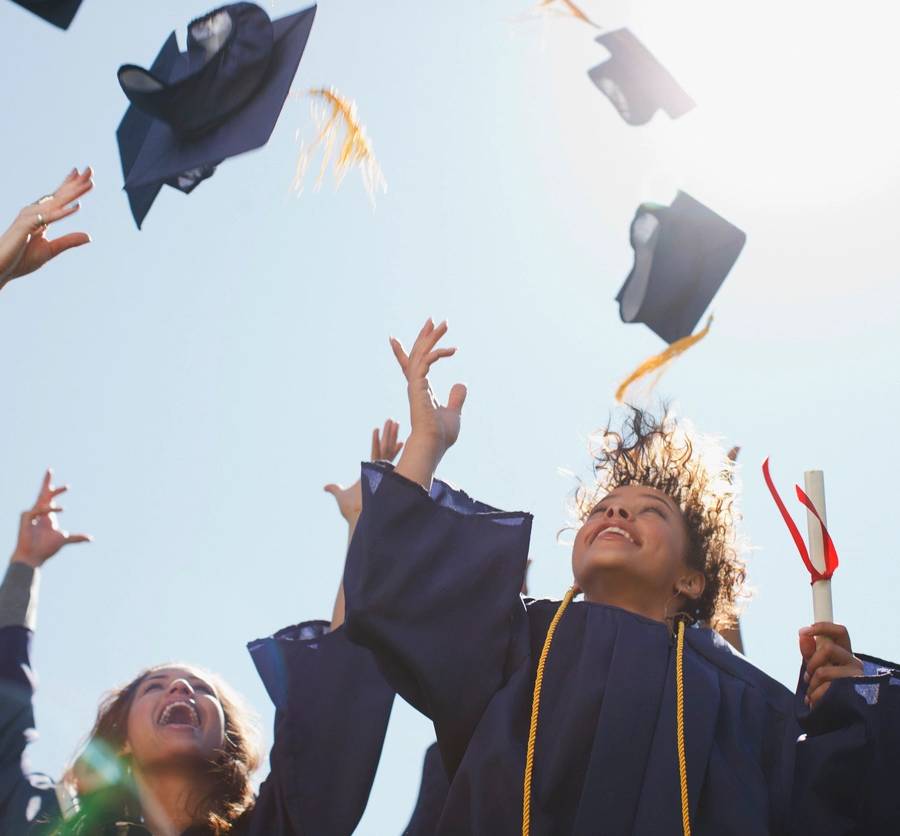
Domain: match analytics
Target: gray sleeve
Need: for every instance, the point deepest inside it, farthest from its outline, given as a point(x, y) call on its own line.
point(19, 596)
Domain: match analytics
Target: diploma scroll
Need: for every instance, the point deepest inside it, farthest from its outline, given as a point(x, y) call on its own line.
point(821, 557)
point(814, 486)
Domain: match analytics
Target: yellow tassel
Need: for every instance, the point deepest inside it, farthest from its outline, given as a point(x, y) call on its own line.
point(661, 359)
point(355, 150)
point(535, 709)
point(679, 720)
point(571, 10)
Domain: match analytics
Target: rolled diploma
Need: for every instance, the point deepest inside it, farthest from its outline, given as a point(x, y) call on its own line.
point(814, 485)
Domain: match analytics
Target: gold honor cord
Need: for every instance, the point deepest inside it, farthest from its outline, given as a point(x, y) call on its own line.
point(679, 721)
point(535, 710)
point(661, 359)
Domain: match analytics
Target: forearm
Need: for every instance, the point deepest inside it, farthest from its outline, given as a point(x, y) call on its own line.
point(19, 596)
point(338, 612)
point(419, 461)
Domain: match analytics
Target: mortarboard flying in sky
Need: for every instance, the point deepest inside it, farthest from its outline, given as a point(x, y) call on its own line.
point(222, 97)
point(682, 254)
point(635, 82)
point(58, 12)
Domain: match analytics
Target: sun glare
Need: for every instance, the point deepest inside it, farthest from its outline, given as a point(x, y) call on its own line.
point(796, 104)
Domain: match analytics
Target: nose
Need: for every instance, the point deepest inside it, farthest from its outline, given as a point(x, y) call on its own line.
point(617, 511)
point(181, 686)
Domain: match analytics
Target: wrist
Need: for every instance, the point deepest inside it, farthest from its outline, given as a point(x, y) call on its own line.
point(419, 460)
point(426, 446)
point(18, 557)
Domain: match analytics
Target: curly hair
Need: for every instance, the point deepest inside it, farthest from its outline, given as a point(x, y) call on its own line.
point(101, 780)
point(660, 452)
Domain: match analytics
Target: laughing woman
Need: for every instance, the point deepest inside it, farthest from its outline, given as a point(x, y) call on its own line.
point(173, 752)
point(618, 714)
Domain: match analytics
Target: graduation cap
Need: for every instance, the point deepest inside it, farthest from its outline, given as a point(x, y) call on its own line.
point(222, 97)
point(58, 12)
point(682, 254)
point(635, 82)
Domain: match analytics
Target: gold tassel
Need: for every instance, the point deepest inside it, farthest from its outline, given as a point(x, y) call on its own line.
point(335, 113)
point(571, 10)
point(661, 359)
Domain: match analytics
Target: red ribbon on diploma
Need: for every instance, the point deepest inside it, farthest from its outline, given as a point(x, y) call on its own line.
point(831, 557)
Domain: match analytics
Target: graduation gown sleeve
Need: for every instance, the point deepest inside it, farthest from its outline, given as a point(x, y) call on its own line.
point(332, 707)
point(848, 758)
point(27, 800)
point(432, 587)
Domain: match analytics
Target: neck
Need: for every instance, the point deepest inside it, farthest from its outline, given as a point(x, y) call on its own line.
point(168, 799)
point(626, 596)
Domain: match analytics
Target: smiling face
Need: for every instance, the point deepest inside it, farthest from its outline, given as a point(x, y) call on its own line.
point(175, 717)
point(631, 552)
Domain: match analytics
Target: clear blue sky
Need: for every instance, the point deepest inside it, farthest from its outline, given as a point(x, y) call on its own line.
point(198, 382)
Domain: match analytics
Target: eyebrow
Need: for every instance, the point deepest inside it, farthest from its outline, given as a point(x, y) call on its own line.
point(645, 495)
point(165, 676)
point(657, 498)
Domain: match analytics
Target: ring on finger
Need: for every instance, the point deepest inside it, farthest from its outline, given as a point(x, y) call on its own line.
point(41, 224)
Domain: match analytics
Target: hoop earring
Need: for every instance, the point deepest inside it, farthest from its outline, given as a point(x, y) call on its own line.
point(672, 619)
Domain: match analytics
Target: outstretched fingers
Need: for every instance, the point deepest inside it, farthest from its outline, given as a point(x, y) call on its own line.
point(389, 444)
point(73, 187)
point(433, 356)
point(399, 353)
point(46, 491)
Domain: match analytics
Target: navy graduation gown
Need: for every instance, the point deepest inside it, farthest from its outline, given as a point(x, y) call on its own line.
point(432, 795)
point(332, 709)
point(432, 587)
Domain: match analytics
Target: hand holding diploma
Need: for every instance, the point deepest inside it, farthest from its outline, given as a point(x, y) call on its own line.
point(828, 655)
point(825, 646)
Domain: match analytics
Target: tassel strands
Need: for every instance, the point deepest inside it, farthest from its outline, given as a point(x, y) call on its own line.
point(569, 9)
point(333, 113)
point(658, 361)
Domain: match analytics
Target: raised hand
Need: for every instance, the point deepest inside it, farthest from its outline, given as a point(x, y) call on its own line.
point(828, 655)
point(385, 447)
point(39, 534)
point(24, 247)
point(434, 427)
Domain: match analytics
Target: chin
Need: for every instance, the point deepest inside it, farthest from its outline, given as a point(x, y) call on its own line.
point(602, 559)
point(182, 752)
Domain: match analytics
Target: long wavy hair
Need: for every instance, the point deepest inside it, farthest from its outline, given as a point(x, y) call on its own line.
point(100, 776)
point(665, 453)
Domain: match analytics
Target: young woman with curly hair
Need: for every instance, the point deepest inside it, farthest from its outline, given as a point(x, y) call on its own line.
point(174, 751)
point(620, 713)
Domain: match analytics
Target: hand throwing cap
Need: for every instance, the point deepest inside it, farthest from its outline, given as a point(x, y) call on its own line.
point(57, 12)
point(682, 254)
point(222, 97)
point(635, 82)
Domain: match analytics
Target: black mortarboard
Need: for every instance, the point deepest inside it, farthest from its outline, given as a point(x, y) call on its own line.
point(58, 12)
point(682, 254)
point(635, 82)
point(221, 98)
